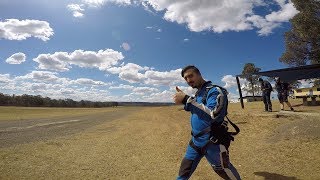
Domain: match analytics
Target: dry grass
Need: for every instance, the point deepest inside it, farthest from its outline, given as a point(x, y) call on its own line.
point(21, 113)
point(151, 143)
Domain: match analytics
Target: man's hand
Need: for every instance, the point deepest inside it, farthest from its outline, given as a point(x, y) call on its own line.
point(179, 96)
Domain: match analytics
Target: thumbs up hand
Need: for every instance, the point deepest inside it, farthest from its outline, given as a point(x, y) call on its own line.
point(179, 96)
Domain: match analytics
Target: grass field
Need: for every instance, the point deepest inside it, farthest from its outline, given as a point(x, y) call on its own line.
point(21, 113)
point(150, 144)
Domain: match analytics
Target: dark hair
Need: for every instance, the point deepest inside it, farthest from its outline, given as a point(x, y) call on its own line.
point(195, 69)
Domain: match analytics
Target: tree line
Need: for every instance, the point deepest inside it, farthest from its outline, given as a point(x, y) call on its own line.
point(39, 101)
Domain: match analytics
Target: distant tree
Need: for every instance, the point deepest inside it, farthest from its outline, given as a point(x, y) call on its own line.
point(247, 73)
point(303, 40)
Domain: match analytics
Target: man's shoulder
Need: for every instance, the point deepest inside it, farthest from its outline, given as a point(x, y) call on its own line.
point(213, 88)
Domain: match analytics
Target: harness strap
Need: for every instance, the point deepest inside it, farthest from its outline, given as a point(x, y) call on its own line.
point(234, 126)
point(201, 150)
point(208, 129)
point(205, 131)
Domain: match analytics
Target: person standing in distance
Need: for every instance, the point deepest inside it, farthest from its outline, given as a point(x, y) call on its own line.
point(283, 91)
point(202, 117)
point(266, 89)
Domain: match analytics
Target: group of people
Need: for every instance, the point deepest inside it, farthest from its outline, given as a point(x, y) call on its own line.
point(209, 129)
point(283, 91)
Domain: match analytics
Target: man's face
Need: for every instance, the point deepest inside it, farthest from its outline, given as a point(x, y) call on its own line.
point(192, 78)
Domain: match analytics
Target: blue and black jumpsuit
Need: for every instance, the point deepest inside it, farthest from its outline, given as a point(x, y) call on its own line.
point(202, 115)
point(266, 93)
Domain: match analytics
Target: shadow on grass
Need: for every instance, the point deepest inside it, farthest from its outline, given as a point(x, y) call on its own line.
point(274, 176)
point(297, 105)
point(242, 122)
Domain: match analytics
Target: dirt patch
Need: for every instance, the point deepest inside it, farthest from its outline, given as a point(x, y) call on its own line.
point(300, 128)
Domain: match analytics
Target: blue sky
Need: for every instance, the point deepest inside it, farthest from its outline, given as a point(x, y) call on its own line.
point(126, 50)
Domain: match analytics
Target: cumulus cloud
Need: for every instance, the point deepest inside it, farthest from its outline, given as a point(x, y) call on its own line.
point(76, 9)
point(122, 86)
point(286, 12)
point(4, 78)
point(129, 72)
point(144, 90)
point(86, 81)
point(49, 84)
point(163, 96)
point(125, 46)
point(224, 15)
point(229, 80)
point(16, 58)
point(14, 29)
point(134, 73)
point(216, 16)
point(163, 78)
point(62, 61)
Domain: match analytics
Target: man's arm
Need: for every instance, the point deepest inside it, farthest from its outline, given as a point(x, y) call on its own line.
point(206, 112)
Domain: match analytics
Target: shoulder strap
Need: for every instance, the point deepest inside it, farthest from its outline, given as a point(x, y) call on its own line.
point(208, 88)
point(222, 92)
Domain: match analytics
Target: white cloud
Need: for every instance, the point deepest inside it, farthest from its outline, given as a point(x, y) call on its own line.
point(306, 83)
point(164, 96)
point(144, 90)
point(134, 73)
point(234, 98)
point(229, 80)
point(224, 15)
point(16, 58)
point(122, 86)
point(99, 3)
point(159, 30)
point(125, 46)
point(265, 26)
point(217, 16)
point(163, 78)
point(76, 9)
point(86, 81)
point(40, 76)
point(49, 84)
point(129, 72)
point(286, 12)
point(185, 40)
point(4, 78)
point(62, 61)
point(14, 29)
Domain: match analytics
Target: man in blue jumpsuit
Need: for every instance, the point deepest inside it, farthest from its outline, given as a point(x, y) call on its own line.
point(202, 116)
